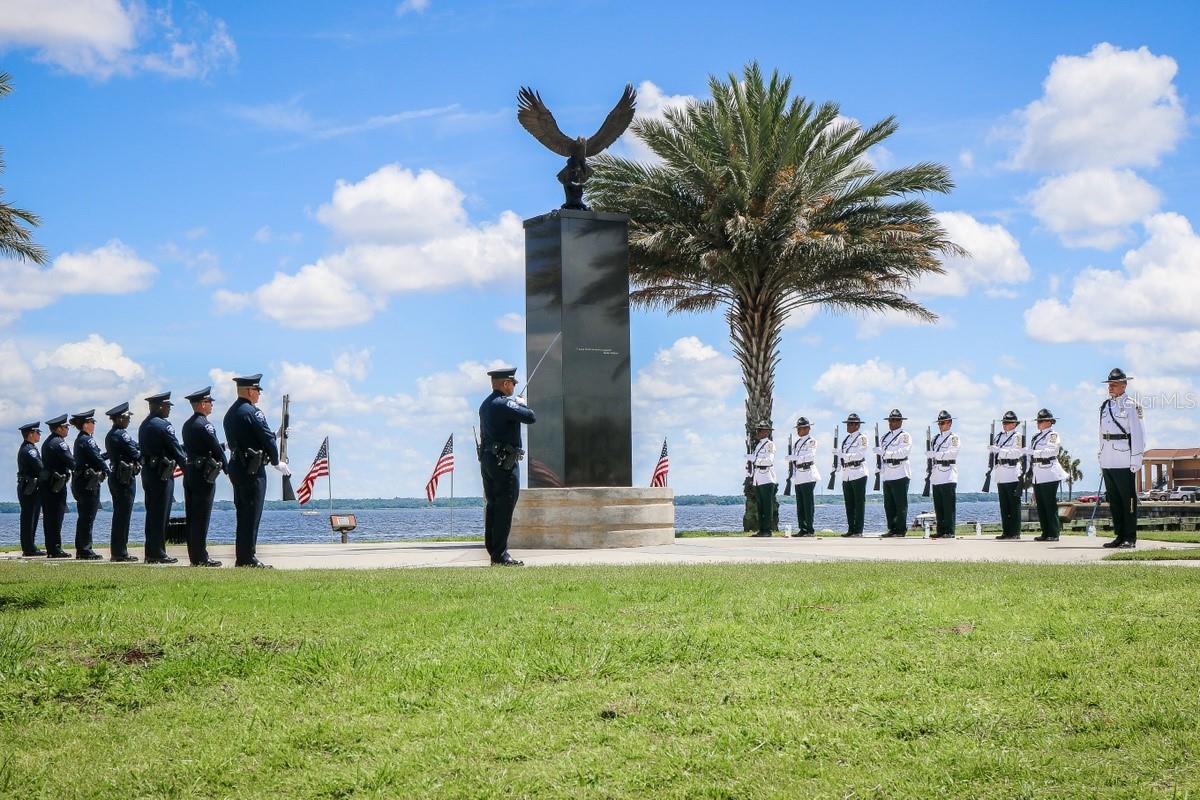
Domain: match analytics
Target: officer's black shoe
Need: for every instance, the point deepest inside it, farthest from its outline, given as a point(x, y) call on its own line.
point(1127, 545)
point(507, 561)
point(58, 554)
point(1113, 543)
point(34, 552)
point(890, 535)
point(254, 564)
point(1004, 537)
point(760, 533)
point(163, 560)
point(1045, 538)
point(208, 563)
point(125, 559)
point(89, 555)
point(851, 535)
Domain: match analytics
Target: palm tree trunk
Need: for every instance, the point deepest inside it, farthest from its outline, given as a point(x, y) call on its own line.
point(755, 330)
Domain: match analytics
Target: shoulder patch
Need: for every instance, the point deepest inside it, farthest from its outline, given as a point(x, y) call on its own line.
point(170, 429)
point(1053, 438)
point(513, 404)
point(259, 415)
point(208, 427)
point(954, 439)
point(1138, 406)
point(904, 437)
point(63, 444)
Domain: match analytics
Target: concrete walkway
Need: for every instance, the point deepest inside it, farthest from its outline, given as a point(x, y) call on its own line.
point(705, 550)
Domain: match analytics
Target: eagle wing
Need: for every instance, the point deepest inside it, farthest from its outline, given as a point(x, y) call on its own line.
point(537, 119)
point(615, 123)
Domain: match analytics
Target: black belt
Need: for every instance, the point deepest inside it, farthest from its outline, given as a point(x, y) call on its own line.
point(758, 467)
point(894, 461)
point(852, 463)
point(1043, 461)
point(1008, 462)
point(1111, 436)
point(947, 463)
point(805, 465)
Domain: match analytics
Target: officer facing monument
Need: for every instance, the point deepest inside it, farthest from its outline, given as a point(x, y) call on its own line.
point(90, 472)
point(57, 466)
point(206, 460)
point(1122, 442)
point(895, 473)
point(852, 459)
point(125, 463)
point(500, 419)
point(162, 453)
point(251, 447)
point(29, 473)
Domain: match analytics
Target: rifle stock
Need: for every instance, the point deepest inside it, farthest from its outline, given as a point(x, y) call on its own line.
point(286, 492)
point(987, 478)
point(878, 459)
point(833, 469)
point(928, 462)
point(787, 487)
point(1026, 464)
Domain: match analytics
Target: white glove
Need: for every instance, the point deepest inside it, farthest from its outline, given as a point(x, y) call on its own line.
point(283, 468)
point(520, 399)
point(993, 448)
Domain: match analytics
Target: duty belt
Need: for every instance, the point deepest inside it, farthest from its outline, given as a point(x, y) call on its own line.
point(1008, 462)
point(894, 461)
point(758, 467)
point(946, 463)
point(805, 465)
point(1043, 461)
point(852, 463)
point(1111, 436)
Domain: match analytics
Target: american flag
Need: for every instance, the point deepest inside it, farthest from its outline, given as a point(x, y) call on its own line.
point(661, 468)
point(319, 469)
point(445, 463)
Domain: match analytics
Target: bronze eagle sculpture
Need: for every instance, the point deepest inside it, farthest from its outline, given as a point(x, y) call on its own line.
point(537, 119)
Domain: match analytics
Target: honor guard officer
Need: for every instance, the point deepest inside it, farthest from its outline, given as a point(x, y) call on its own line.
point(90, 472)
point(805, 476)
point(162, 453)
point(251, 447)
point(1122, 442)
point(1008, 448)
point(206, 460)
point(852, 459)
point(500, 419)
point(761, 462)
point(57, 466)
point(943, 479)
point(1047, 473)
point(894, 449)
point(125, 463)
point(29, 474)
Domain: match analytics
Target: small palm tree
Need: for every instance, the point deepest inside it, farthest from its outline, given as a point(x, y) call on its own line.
point(15, 238)
point(1071, 467)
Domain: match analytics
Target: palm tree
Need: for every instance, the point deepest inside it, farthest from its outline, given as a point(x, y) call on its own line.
point(764, 204)
point(15, 238)
point(1071, 467)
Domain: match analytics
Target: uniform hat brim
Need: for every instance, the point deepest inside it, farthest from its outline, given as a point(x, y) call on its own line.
point(502, 374)
point(249, 381)
point(57, 421)
point(29, 427)
point(118, 411)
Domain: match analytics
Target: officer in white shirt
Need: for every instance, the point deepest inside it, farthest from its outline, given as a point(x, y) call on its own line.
point(1047, 473)
point(1122, 442)
point(1008, 448)
point(894, 449)
point(943, 451)
point(855, 469)
point(804, 475)
point(761, 463)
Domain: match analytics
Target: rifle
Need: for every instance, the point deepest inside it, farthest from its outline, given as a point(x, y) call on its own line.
point(836, 447)
point(286, 493)
point(987, 479)
point(878, 459)
point(928, 462)
point(478, 446)
point(787, 487)
point(748, 483)
point(1026, 464)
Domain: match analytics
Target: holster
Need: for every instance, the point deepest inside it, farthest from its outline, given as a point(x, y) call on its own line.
point(91, 479)
point(123, 472)
point(208, 466)
point(166, 469)
point(58, 481)
point(26, 485)
point(507, 456)
point(253, 459)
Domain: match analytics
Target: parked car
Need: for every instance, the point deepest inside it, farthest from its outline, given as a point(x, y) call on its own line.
point(1186, 494)
point(1159, 494)
point(1091, 498)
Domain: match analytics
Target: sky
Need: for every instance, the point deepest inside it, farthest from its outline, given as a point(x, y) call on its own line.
point(332, 195)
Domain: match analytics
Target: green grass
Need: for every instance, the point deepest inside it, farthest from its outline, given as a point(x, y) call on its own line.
point(802, 680)
point(1157, 554)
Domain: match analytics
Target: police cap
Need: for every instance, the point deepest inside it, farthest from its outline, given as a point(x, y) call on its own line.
point(895, 414)
point(1117, 375)
point(944, 416)
point(1045, 416)
point(502, 373)
point(83, 416)
point(248, 381)
point(121, 410)
point(31, 426)
point(852, 418)
point(200, 395)
point(803, 423)
point(160, 399)
point(57, 421)
point(1010, 416)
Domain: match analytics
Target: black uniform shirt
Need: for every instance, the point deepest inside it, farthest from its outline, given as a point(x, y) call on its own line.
point(200, 439)
point(87, 455)
point(156, 436)
point(246, 428)
point(121, 447)
point(500, 420)
point(56, 455)
point(29, 461)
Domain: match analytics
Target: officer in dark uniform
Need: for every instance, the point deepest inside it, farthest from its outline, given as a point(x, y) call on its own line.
point(90, 472)
point(251, 447)
point(125, 462)
point(206, 460)
point(500, 418)
point(29, 473)
point(161, 452)
point(57, 466)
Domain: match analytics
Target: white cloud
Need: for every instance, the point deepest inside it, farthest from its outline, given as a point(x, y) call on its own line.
point(227, 302)
point(800, 317)
point(113, 268)
point(353, 363)
point(966, 159)
point(876, 324)
point(93, 353)
point(511, 323)
point(315, 297)
point(1093, 207)
point(1110, 108)
point(688, 369)
point(291, 117)
point(995, 258)
point(652, 103)
point(101, 38)
point(412, 6)
point(393, 204)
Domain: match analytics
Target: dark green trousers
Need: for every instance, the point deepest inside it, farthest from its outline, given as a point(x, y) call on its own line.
point(1122, 503)
point(895, 505)
point(1010, 508)
point(764, 493)
point(804, 508)
point(855, 494)
point(944, 500)
point(1046, 497)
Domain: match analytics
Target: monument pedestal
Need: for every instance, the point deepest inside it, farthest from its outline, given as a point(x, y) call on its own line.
point(592, 517)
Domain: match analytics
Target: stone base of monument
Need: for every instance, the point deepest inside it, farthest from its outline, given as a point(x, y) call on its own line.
point(584, 518)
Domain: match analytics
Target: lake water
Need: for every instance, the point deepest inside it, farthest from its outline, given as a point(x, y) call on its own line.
point(396, 524)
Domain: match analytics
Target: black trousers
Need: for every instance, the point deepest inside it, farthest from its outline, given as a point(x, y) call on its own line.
point(855, 494)
point(945, 499)
point(159, 496)
point(122, 500)
point(1046, 497)
point(1122, 503)
point(198, 499)
point(1010, 508)
point(31, 509)
point(87, 504)
point(764, 493)
point(895, 505)
point(804, 508)
point(501, 487)
point(54, 508)
point(249, 494)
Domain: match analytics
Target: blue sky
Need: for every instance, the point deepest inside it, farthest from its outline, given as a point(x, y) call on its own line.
point(331, 194)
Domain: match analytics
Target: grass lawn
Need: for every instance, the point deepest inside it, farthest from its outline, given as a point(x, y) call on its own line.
point(740, 681)
point(1157, 554)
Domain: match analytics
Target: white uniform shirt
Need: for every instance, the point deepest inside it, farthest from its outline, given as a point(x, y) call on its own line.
point(804, 451)
point(1010, 446)
point(895, 446)
point(853, 456)
point(944, 448)
point(1124, 451)
point(1043, 449)
point(762, 461)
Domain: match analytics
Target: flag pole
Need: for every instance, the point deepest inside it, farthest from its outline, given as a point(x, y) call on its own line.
point(329, 479)
point(452, 529)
